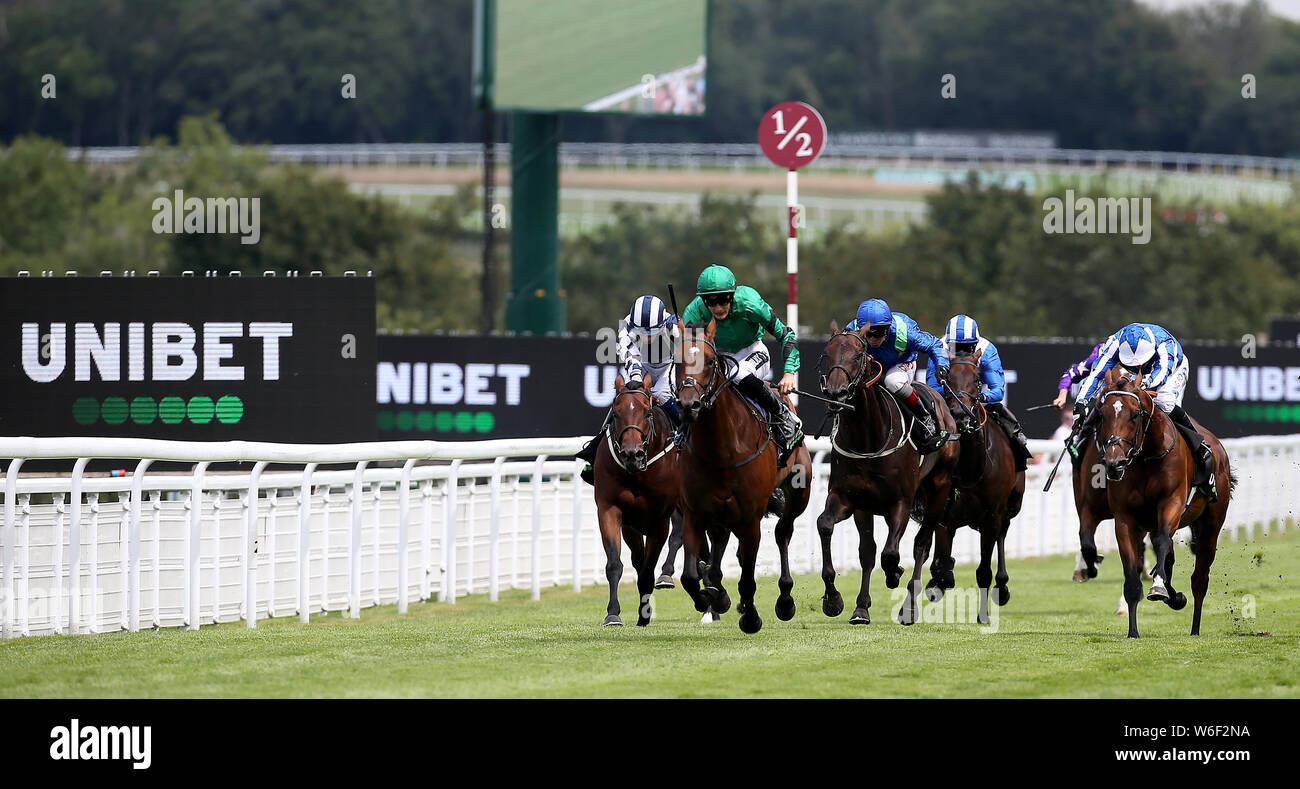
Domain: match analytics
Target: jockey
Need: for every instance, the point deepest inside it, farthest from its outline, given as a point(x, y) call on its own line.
point(1152, 351)
point(895, 340)
point(741, 317)
point(1073, 375)
point(646, 338)
point(963, 337)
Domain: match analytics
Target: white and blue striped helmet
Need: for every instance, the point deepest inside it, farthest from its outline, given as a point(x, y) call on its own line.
point(1137, 346)
point(648, 315)
point(962, 329)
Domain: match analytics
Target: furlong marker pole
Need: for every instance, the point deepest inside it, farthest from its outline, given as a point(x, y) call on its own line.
point(792, 258)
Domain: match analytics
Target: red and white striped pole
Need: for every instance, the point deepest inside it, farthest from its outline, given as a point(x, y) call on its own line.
point(792, 256)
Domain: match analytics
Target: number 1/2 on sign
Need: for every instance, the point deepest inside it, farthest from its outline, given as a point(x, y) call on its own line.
point(792, 134)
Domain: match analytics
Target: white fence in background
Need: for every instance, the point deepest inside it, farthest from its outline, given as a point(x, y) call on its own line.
point(408, 521)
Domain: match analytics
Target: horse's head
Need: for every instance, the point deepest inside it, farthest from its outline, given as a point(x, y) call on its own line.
point(631, 423)
point(962, 390)
point(700, 372)
point(1124, 414)
point(843, 366)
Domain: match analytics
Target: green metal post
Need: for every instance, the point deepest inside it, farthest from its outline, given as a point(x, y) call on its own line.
point(535, 302)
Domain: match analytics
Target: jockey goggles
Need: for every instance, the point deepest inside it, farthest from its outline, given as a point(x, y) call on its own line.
point(715, 299)
point(878, 331)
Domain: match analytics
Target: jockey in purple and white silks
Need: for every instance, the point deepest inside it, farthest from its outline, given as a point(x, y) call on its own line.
point(962, 336)
point(646, 338)
point(894, 340)
point(1152, 351)
point(1073, 375)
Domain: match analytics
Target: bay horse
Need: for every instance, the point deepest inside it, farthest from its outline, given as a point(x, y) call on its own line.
point(637, 490)
point(1149, 472)
point(877, 470)
point(728, 465)
point(987, 490)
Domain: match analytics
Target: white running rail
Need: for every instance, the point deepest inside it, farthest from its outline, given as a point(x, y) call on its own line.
point(405, 521)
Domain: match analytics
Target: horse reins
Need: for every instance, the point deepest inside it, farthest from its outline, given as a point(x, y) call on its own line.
point(855, 381)
point(708, 395)
point(1145, 418)
point(646, 438)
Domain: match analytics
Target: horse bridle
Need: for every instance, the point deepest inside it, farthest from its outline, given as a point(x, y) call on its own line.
point(959, 394)
point(1145, 419)
point(862, 360)
point(718, 378)
point(617, 441)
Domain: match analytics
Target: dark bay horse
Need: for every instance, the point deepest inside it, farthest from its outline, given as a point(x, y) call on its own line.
point(728, 466)
point(1149, 471)
point(637, 489)
point(987, 490)
point(877, 470)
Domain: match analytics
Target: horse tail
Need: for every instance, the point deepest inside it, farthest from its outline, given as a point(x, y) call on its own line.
point(1232, 481)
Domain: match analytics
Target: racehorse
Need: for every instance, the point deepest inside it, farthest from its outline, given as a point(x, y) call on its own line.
point(728, 466)
point(987, 490)
point(637, 489)
point(877, 470)
point(1149, 471)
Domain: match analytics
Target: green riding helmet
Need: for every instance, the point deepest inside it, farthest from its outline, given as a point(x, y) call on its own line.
point(715, 279)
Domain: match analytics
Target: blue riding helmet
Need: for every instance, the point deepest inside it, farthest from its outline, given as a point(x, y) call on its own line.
point(1137, 346)
point(874, 312)
point(962, 330)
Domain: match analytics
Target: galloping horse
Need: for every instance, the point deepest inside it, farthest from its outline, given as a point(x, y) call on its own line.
point(877, 470)
point(987, 489)
point(637, 489)
point(1149, 471)
point(728, 466)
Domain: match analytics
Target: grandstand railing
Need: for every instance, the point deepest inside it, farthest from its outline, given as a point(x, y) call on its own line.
point(402, 522)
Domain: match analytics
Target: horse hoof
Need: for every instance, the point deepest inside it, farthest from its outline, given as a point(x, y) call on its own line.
point(933, 592)
point(905, 619)
point(892, 579)
point(640, 622)
point(1159, 592)
point(741, 608)
point(860, 617)
point(751, 622)
point(1179, 602)
point(785, 608)
point(1092, 571)
point(722, 602)
point(1001, 595)
point(664, 582)
point(832, 605)
point(1080, 577)
point(982, 619)
point(612, 621)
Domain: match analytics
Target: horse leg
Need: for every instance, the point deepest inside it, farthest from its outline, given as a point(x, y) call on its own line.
point(611, 527)
point(889, 557)
point(665, 579)
point(836, 510)
point(747, 552)
point(984, 573)
point(784, 531)
point(695, 544)
point(1129, 537)
point(867, 558)
point(1086, 569)
point(1002, 594)
point(1206, 543)
point(941, 575)
point(718, 538)
point(645, 572)
point(909, 613)
point(1162, 573)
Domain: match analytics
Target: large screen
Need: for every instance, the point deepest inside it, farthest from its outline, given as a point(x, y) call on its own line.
point(629, 56)
point(189, 358)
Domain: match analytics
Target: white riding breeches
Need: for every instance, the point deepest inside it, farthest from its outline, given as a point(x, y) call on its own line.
point(899, 377)
point(752, 360)
point(1170, 393)
point(661, 380)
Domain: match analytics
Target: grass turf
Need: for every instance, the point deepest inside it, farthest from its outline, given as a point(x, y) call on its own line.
point(1055, 638)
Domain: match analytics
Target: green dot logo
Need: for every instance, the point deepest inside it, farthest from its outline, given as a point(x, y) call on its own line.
point(405, 421)
point(442, 422)
point(464, 421)
point(171, 410)
point(143, 411)
point(85, 410)
point(230, 409)
point(201, 409)
point(424, 421)
point(385, 421)
point(484, 421)
point(115, 410)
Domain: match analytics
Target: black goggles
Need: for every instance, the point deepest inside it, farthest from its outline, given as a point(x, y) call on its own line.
point(716, 299)
point(877, 331)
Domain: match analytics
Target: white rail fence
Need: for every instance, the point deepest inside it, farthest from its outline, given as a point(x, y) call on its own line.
point(409, 521)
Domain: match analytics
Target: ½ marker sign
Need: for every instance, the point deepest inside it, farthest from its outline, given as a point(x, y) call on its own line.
point(792, 134)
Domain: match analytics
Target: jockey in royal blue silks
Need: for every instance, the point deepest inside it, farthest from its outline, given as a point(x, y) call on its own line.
point(1152, 351)
point(646, 338)
point(894, 340)
point(962, 337)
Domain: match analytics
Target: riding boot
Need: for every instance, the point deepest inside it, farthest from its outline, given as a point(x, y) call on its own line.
point(930, 436)
point(1204, 477)
point(786, 426)
point(588, 453)
point(1019, 442)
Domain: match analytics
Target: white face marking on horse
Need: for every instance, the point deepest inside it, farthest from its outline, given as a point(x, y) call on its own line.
point(1117, 407)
